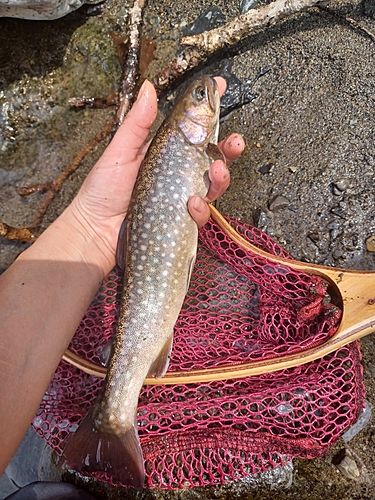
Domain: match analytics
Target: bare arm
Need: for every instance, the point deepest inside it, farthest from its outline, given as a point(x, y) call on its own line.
point(45, 293)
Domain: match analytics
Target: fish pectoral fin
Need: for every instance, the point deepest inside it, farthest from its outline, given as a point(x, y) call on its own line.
point(161, 363)
point(106, 353)
point(214, 152)
point(122, 243)
point(119, 455)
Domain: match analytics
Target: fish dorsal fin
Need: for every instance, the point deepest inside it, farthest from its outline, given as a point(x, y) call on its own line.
point(161, 363)
point(122, 243)
point(214, 152)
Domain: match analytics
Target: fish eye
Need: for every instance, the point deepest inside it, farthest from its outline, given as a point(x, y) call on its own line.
point(199, 93)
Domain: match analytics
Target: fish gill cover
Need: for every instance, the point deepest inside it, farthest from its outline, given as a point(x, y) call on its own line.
point(239, 308)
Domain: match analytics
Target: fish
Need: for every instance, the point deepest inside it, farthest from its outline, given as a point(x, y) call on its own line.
point(157, 248)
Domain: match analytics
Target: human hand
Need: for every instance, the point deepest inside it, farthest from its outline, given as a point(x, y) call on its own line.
point(103, 200)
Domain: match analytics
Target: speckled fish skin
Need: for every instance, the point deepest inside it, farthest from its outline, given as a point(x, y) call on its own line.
point(161, 243)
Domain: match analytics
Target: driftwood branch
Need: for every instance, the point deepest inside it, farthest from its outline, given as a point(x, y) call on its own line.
point(131, 69)
point(200, 47)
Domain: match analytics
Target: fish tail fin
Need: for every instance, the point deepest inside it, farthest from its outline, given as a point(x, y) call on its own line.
point(119, 455)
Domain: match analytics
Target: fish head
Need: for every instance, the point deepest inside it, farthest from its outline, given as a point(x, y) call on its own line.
point(197, 112)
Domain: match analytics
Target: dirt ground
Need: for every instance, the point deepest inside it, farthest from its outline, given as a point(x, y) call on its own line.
point(306, 176)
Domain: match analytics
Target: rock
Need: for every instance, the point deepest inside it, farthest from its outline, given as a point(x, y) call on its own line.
point(340, 186)
point(343, 184)
point(279, 203)
point(266, 168)
point(246, 5)
point(370, 243)
point(360, 424)
point(346, 464)
point(39, 9)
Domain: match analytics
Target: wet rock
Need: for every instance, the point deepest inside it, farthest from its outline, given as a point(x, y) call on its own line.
point(314, 237)
point(338, 252)
point(370, 243)
point(278, 203)
point(346, 464)
point(246, 5)
point(210, 19)
point(339, 212)
point(238, 93)
point(39, 9)
point(363, 420)
point(261, 219)
point(334, 233)
point(340, 186)
point(266, 168)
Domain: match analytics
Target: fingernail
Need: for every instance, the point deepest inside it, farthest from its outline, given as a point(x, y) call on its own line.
point(142, 90)
point(198, 204)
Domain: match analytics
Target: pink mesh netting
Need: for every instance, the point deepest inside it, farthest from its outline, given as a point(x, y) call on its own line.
point(240, 307)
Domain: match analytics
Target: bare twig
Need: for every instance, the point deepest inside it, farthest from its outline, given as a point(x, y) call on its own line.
point(131, 68)
point(201, 46)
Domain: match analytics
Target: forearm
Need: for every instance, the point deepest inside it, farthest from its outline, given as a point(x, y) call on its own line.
point(43, 297)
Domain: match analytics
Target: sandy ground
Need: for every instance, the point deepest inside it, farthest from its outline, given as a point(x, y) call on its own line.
point(306, 177)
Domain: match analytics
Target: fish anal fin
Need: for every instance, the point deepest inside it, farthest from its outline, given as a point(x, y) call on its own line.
point(122, 243)
point(119, 455)
point(161, 363)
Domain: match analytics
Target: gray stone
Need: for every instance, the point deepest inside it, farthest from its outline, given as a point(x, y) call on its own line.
point(38, 9)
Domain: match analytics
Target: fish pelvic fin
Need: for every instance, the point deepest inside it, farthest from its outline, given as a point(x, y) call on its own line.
point(119, 455)
point(161, 363)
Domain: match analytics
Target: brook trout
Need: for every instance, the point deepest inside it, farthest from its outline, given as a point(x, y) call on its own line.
point(157, 248)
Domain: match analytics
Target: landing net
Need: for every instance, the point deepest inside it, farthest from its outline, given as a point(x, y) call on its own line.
point(240, 308)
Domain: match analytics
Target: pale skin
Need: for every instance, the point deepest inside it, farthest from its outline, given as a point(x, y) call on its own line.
point(45, 293)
